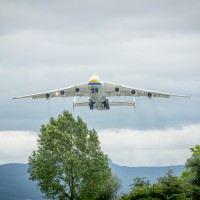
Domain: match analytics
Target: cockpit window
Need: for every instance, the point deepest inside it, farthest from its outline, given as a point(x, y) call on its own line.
point(94, 90)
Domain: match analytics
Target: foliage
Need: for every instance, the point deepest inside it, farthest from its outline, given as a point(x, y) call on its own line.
point(111, 188)
point(171, 184)
point(140, 182)
point(192, 174)
point(168, 187)
point(69, 163)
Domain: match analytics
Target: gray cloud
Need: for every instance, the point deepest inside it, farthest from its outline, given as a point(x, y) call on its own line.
point(148, 44)
point(149, 148)
point(89, 15)
point(124, 146)
point(16, 146)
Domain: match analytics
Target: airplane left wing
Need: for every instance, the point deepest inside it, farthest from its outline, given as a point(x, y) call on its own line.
point(72, 91)
point(113, 89)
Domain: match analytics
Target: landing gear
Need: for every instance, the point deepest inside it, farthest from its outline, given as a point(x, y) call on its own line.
point(91, 105)
point(106, 104)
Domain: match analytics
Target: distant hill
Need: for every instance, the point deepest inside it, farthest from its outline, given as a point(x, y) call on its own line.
point(15, 185)
point(127, 174)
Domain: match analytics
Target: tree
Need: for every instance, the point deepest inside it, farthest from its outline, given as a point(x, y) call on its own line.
point(193, 167)
point(171, 184)
point(173, 187)
point(69, 163)
point(111, 189)
point(140, 182)
point(140, 189)
point(168, 187)
point(192, 173)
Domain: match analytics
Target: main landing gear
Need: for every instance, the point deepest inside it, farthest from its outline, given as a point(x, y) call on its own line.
point(91, 105)
point(106, 104)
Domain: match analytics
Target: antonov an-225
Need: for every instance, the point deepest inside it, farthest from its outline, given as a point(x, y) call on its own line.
point(99, 92)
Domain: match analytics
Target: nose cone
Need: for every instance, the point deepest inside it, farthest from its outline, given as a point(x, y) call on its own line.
point(94, 79)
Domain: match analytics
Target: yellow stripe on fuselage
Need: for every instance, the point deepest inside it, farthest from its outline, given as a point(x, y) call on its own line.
point(94, 81)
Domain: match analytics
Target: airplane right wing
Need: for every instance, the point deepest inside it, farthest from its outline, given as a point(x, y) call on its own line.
point(113, 89)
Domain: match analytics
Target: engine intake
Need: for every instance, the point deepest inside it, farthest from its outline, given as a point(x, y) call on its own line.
point(133, 92)
point(77, 90)
point(47, 95)
point(117, 90)
point(62, 92)
point(149, 94)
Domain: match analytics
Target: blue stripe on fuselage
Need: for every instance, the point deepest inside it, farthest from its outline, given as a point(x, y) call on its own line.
point(94, 83)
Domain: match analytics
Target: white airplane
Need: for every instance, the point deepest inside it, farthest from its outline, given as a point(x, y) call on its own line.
point(98, 92)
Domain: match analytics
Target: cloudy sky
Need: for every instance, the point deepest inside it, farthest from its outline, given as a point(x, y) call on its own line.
point(46, 45)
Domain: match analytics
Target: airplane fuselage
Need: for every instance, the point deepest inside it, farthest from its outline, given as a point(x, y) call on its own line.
point(97, 93)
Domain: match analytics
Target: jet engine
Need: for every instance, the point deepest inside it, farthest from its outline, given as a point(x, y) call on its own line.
point(47, 95)
point(133, 92)
point(150, 95)
point(62, 92)
point(117, 90)
point(77, 90)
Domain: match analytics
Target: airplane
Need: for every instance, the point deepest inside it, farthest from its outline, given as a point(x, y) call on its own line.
point(99, 92)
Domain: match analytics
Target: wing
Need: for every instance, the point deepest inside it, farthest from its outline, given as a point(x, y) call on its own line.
point(76, 90)
point(113, 89)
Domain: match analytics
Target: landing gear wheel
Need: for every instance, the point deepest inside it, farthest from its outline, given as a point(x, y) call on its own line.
point(106, 105)
point(91, 105)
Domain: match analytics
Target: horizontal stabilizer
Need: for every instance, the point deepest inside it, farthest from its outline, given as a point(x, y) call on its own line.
point(121, 103)
point(81, 104)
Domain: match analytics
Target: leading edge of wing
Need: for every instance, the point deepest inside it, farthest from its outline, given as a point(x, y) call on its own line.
point(67, 92)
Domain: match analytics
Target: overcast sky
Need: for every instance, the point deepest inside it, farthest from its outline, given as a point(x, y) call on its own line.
point(155, 45)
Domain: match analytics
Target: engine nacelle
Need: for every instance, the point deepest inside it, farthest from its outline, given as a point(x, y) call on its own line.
point(62, 92)
point(150, 95)
point(117, 90)
point(47, 95)
point(133, 92)
point(77, 90)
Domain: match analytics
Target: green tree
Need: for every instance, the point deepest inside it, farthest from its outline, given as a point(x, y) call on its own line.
point(156, 192)
point(191, 175)
point(171, 184)
point(140, 182)
point(69, 163)
point(111, 189)
point(168, 187)
point(140, 190)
